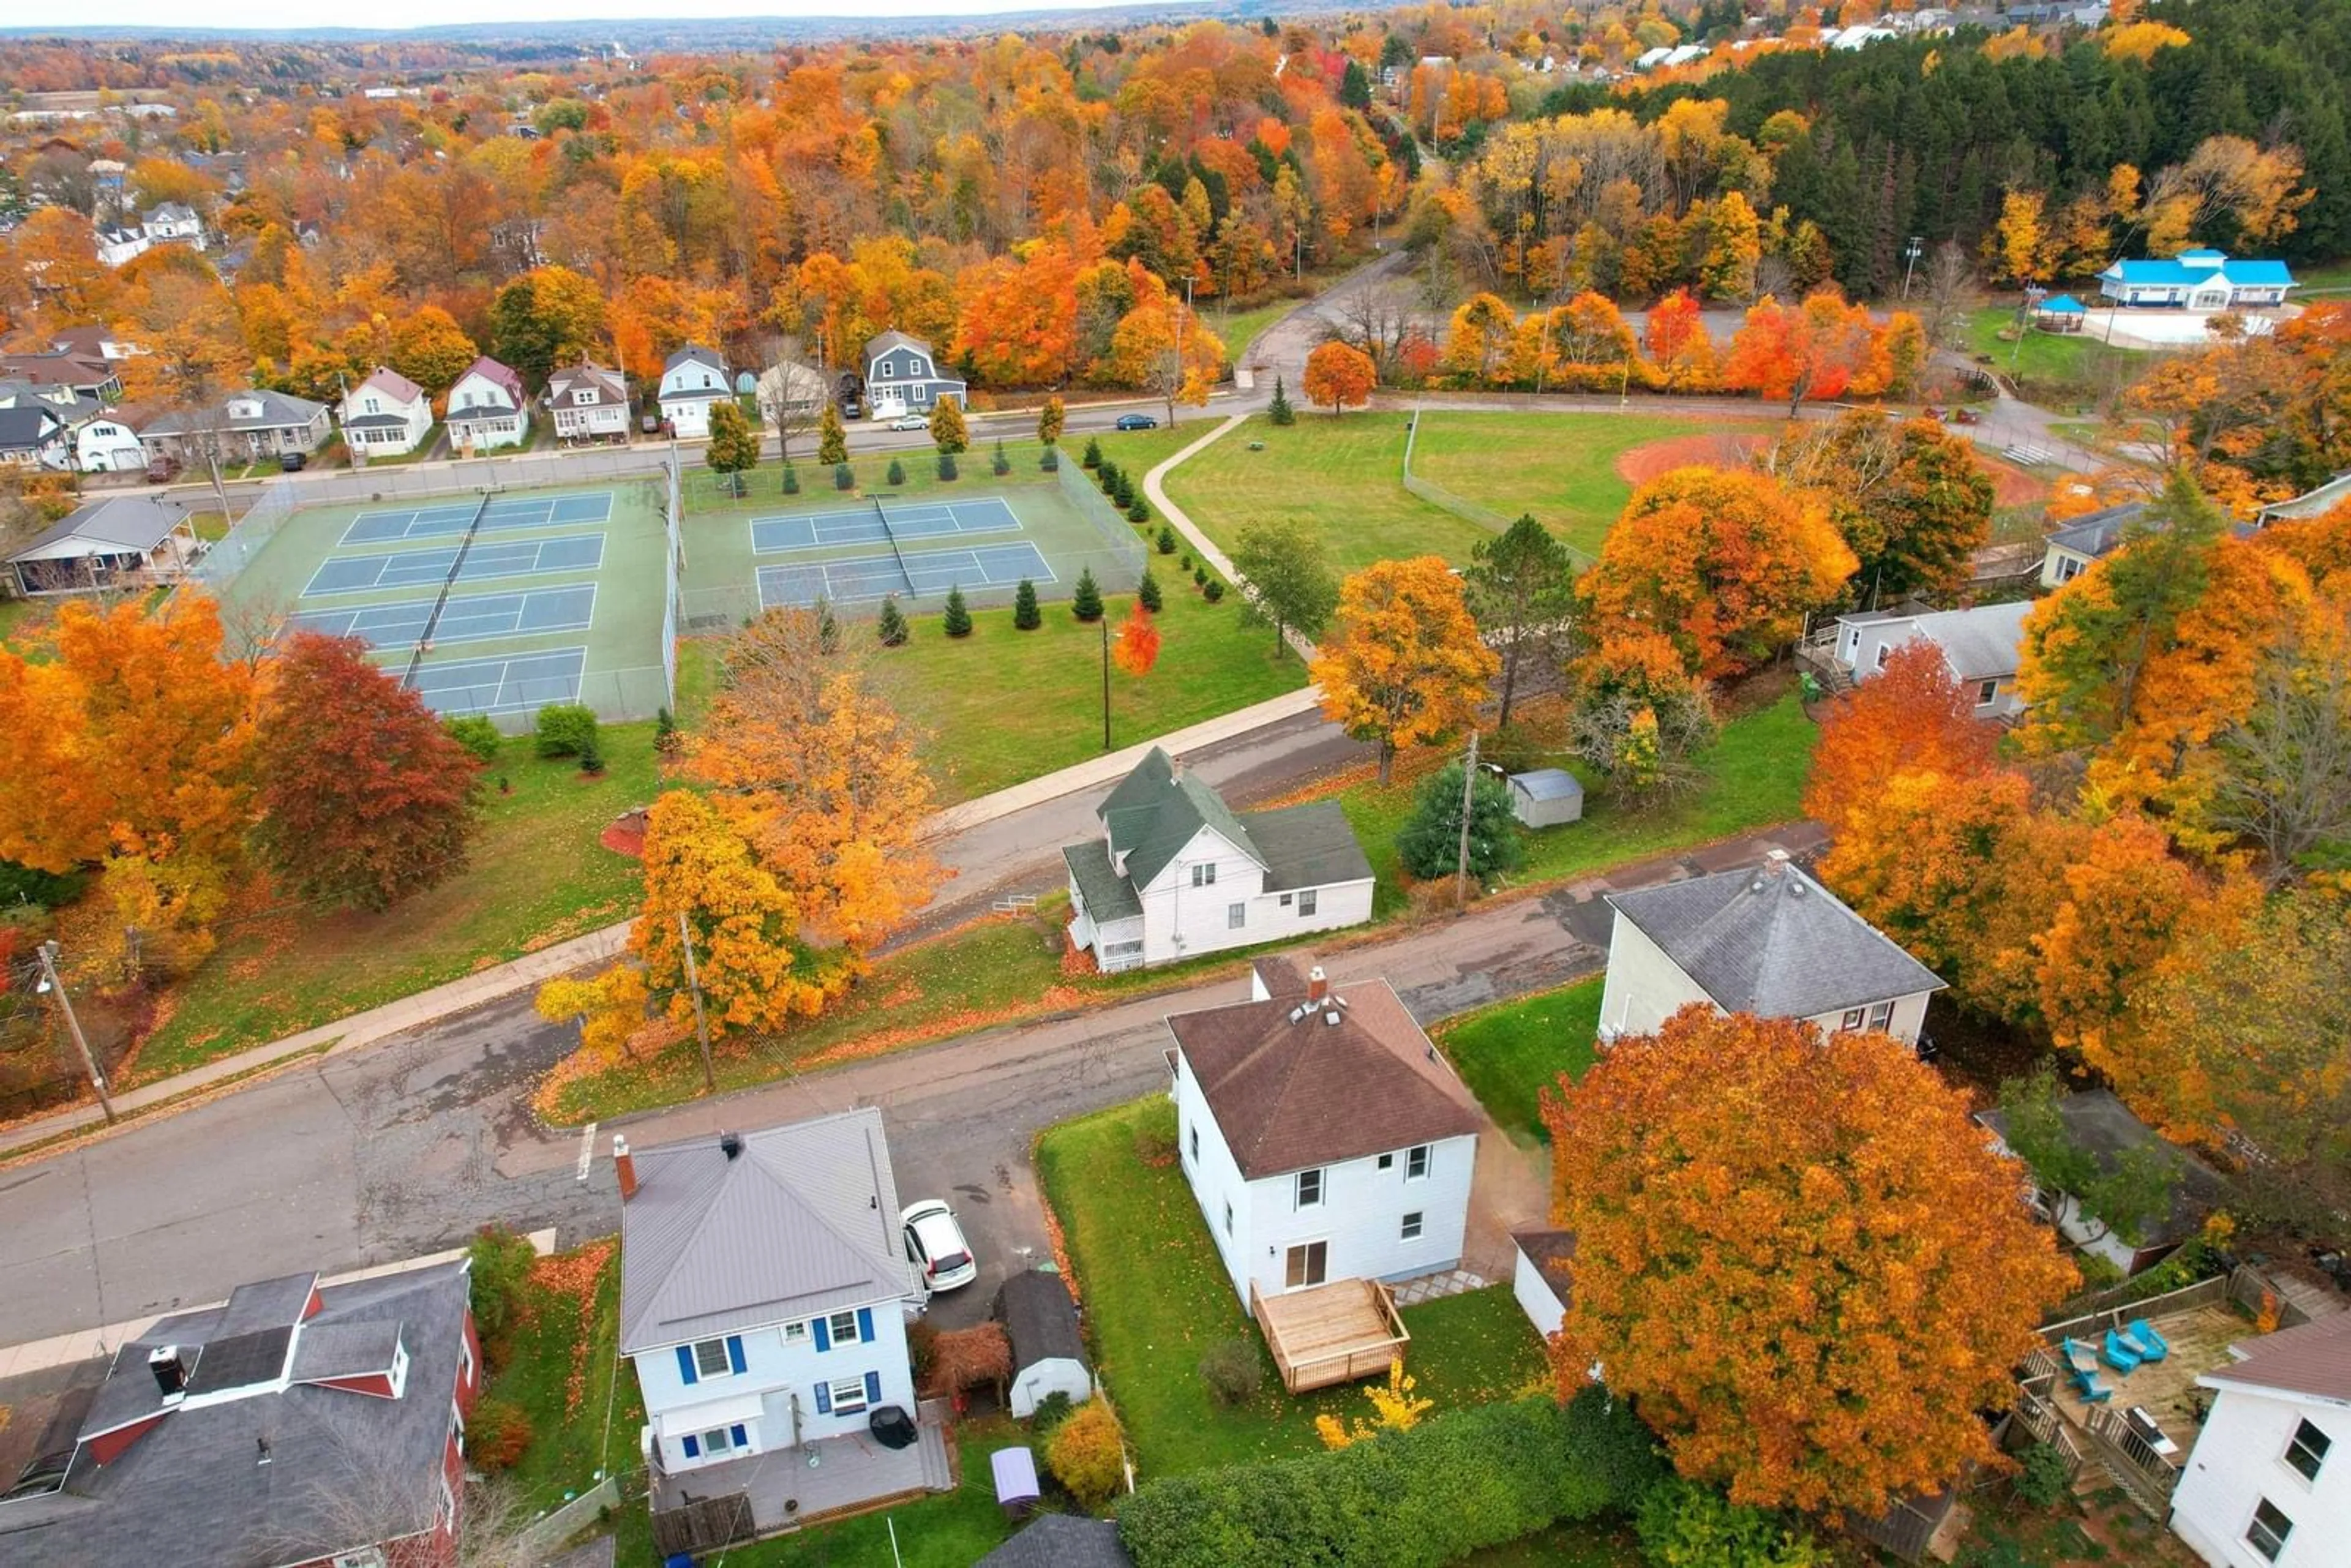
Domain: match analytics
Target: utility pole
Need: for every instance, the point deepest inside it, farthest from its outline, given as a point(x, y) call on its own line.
point(701, 1024)
point(49, 982)
point(1461, 864)
point(1910, 253)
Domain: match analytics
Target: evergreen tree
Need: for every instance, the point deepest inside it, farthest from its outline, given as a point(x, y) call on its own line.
point(956, 623)
point(791, 480)
point(1355, 85)
point(844, 477)
point(1278, 411)
point(734, 445)
point(892, 627)
point(1138, 511)
point(1026, 616)
point(1086, 603)
point(1001, 465)
point(1430, 844)
point(1167, 541)
point(896, 475)
point(948, 471)
point(831, 440)
point(591, 757)
point(1146, 592)
point(1092, 458)
point(1049, 460)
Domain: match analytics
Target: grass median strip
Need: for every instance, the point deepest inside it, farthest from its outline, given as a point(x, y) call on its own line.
point(1509, 1053)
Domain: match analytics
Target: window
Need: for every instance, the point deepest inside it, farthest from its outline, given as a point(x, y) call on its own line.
point(848, 1397)
point(1415, 1163)
point(1228, 1216)
point(1305, 904)
point(796, 1333)
point(1204, 875)
point(1387, 1162)
point(2307, 1452)
point(1985, 693)
point(1309, 1189)
point(1411, 1231)
point(1881, 1017)
point(1196, 1144)
point(1285, 901)
point(843, 1328)
point(1305, 1265)
point(710, 1358)
point(716, 1442)
point(2068, 568)
point(2267, 1534)
point(883, 372)
point(1883, 652)
point(1851, 1020)
point(1236, 916)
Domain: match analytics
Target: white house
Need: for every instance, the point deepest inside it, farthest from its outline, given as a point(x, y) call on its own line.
point(2313, 503)
point(588, 403)
point(902, 376)
point(2075, 546)
point(2264, 1487)
point(118, 246)
point(2198, 280)
point(1539, 1281)
point(1176, 874)
point(1048, 1355)
point(1767, 940)
point(253, 423)
point(386, 415)
point(33, 436)
point(787, 390)
point(1980, 648)
point(764, 1296)
point(105, 444)
point(2103, 1128)
point(694, 379)
point(174, 223)
point(1323, 1137)
point(487, 409)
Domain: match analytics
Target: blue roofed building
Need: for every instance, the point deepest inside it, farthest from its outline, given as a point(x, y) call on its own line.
point(2200, 280)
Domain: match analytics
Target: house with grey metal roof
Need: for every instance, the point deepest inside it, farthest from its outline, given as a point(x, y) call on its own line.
point(1177, 873)
point(294, 1423)
point(1767, 940)
point(118, 541)
point(765, 1289)
point(1982, 648)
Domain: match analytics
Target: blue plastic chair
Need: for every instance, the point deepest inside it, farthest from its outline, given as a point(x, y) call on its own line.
point(2093, 1392)
point(2150, 1343)
point(2118, 1352)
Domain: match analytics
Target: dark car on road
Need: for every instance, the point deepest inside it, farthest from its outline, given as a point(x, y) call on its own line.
point(1137, 421)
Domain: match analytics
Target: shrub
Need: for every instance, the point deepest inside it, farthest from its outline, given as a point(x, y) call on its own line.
point(1684, 1525)
point(477, 735)
point(1107, 476)
point(1138, 511)
point(1146, 592)
point(890, 628)
point(592, 756)
point(1154, 1133)
point(2041, 1478)
point(1093, 456)
point(564, 728)
point(498, 1434)
point(1088, 1455)
point(501, 1265)
point(922, 1349)
point(1124, 491)
point(1167, 541)
point(999, 464)
point(948, 471)
point(1051, 1412)
point(1086, 602)
point(664, 731)
point(1213, 589)
point(23, 885)
point(844, 477)
point(1051, 460)
point(791, 480)
point(896, 476)
point(1199, 577)
point(1026, 616)
point(1456, 1483)
point(1430, 843)
point(1233, 1371)
point(1185, 564)
point(956, 623)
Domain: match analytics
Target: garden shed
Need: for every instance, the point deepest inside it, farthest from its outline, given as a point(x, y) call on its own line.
point(1048, 1356)
point(1546, 798)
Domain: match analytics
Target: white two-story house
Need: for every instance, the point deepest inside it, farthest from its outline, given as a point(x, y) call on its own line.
point(386, 415)
point(1767, 940)
point(488, 409)
point(1323, 1137)
point(2264, 1487)
point(588, 403)
point(902, 376)
point(173, 222)
point(764, 1294)
point(694, 379)
point(1176, 874)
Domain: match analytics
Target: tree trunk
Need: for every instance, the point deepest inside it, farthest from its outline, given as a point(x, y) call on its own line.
point(1510, 680)
point(1387, 760)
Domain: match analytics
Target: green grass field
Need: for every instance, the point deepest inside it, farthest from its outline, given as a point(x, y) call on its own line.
point(1156, 1298)
point(574, 1437)
point(2070, 370)
point(1508, 1052)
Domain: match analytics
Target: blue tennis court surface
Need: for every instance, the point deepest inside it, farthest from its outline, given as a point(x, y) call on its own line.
point(444, 519)
point(430, 568)
point(931, 572)
point(502, 686)
point(922, 520)
point(467, 618)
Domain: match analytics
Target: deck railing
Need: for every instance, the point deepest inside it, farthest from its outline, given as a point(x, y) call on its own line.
point(1363, 1359)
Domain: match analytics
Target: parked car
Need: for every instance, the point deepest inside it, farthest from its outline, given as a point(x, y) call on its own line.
point(910, 422)
point(853, 406)
point(934, 1244)
point(162, 470)
point(1137, 421)
point(291, 462)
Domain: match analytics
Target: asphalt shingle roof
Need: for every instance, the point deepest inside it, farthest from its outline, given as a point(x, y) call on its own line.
point(1982, 643)
point(2095, 533)
point(26, 428)
point(882, 343)
point(2103, 1127)
point(1106, 895)
point(2312, 1358)
point(1062, 1541)
point(1039, 1319)
point(1306, 846)
point(279, 410)
point(116, 525)
point(1772, 941)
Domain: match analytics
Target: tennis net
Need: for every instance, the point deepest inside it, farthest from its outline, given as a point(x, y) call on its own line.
point(424, 637)
point(891, 537)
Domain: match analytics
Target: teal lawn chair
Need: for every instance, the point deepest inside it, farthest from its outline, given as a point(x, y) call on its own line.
point(2150, 1343)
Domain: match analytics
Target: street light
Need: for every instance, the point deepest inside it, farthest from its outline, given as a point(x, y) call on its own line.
point(1910, 253)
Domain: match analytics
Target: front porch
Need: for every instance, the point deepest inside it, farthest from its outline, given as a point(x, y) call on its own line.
point(1332, 1333)
point(827, 1479)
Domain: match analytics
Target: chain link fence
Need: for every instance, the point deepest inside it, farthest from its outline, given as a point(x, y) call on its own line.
point(1486, 518)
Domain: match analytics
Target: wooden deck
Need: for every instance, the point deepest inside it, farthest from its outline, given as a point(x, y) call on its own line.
point(1332, 1333)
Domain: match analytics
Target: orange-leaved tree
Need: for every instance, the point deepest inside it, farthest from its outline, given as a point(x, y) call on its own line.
point(744, 924)
point(1136, 647)
point(1339, 375)
point(1911, 716)
point(1796, 1256)
point(1404, 665)
point(1725, 564)
point(1818, 349)
point(1678, 344)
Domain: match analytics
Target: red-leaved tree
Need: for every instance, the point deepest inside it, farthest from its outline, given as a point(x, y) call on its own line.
point(1911, 716)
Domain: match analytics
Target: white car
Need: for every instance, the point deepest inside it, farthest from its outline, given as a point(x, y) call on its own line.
point(934, 1245)
point(910, 422)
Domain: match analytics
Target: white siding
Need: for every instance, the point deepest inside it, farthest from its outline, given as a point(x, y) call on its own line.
point(1361, 1217)
point(1536, 1298)
point(1644, 987)
point(2060, 566)
point(1216, 1178)
point(1181, 921)
point(2239, 1459)
point(772, 1367)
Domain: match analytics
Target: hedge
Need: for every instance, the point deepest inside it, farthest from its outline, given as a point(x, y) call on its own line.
point(1453, 1485)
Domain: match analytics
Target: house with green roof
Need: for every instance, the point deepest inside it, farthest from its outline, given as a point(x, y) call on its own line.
point(1177, 873)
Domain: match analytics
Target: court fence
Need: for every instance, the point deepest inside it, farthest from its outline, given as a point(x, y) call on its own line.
point(618, 696)
point(672, 564)
point(1120, 542)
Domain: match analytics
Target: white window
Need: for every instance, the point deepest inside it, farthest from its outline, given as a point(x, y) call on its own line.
point(849, 1397)
point(365, 1557)
point(1881, 1017)
point(465, 1360)
point(1309, 1189)
point(1985, 691)
point(710, 1359)
point(1236, 916)
point(2268, 1532)
point(796, 1333)
point(373, 407)
point(583, 397)
point(2307, 1452)
point(1883, 652)
point(1204, 875)
point(883, 371)
point(1306, 904)
point(843, 1327)
point(1411, 1229)
point(1851, 1020)
point(718, 1440)
point(1415, 1163)
point(448, 1510)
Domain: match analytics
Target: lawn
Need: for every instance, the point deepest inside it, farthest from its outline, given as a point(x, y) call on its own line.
point(19, 615)
point(560, 1368)
point(1156, 1298)
point(1209, 663)
point(535, 876)
point(2068, 368)
point(1508, 1052)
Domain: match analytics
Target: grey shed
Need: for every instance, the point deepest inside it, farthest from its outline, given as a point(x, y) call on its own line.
point(1048, 1356)
point(1546, 798)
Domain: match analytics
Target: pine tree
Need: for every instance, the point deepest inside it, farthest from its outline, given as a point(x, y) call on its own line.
point(1146, 592)
point(956, 623)
point(1000, 464)
point(948, 471)
point(1086, 603)
point(831, 440)
point(1167, 541)
point(1278, 411)
point(1025, 617)
point(791, 480)
point(844, 477)
point(591, 757)
point(1092, 458)
point(892, 627)
point(896, 476)
point(1049, 460)
point(1138, 511)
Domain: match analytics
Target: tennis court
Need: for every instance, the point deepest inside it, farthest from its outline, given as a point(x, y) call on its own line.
point(430, 568)
point(513, 684)
point(467, 618)
point(505, 512)
point(922, 520)
point(929, 574)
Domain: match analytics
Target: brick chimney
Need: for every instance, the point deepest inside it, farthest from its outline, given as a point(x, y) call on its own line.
point(624, 1166)
point(1317, 986)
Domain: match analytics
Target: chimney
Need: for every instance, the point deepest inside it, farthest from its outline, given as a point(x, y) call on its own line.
point(624, 1166)
point(170, 1376)
point(730, 1145)
point(1317, 985)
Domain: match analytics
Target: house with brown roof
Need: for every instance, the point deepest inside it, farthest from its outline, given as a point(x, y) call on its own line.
point(588, 402)
point(1324, 1137)
point(2264, 1487)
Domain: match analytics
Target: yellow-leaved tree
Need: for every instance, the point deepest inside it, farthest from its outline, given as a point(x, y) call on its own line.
point(1396, 1407)
point(1404, 665)
point(704, 885)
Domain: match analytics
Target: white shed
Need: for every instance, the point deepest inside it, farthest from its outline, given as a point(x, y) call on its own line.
point(1048, 1355)
point(1539, 1282)
point(1546, 798)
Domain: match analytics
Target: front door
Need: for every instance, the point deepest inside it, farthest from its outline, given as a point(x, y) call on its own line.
point(1305, 1265)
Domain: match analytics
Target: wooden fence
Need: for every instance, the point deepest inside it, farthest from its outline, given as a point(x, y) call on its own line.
point(707, 1525)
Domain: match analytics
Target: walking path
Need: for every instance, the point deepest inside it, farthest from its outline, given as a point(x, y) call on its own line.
point(1157, 494)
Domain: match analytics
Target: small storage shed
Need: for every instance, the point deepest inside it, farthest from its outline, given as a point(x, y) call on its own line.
point(1540, 1282)
point(1015, 1472)
point(1546, 798)
point(1048, 1355)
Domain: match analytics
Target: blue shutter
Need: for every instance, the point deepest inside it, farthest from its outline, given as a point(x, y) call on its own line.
point(823, 1399)
point(686, 1364)
point(865, 1325)
point(734, 1352)
point(693, 1447)
point(742, 1439)
point(823, 1332)
point(873, 1389)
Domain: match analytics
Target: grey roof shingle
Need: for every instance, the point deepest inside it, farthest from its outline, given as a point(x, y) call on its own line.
point(1981, 643)
point(803, 1220)
point(2103, 1127)
point(1772, 941)
point(279, 411)
point(1062, 1541)
point(344, 1350)
point(1306, 846)
point(1155, 811)
point(2094, 534)
point(1039, 1319)
point(116, 524)
point(25, 428)
point(882, 343)
point(693, 354)
point(1106, 895)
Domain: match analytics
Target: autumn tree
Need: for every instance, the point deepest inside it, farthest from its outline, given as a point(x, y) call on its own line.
point(1724, 564)
point(610, 1007)
point(1291, 586)
point(734, 445)
point(1135, 648)
point(1908, 499)
point(549, 316)
point(1678, 344)
point(429, 348)
point(1050, 420)
point(1522, 591)
point(1796, 1256)
point(948, 432)
point(831, 439)
point(1816, 350)
point(1404, 665)
point(704, 885)
point(1338, 374)
point(2285, 763)
point(364, 798)
point(1640, 719)
point(1911, 716)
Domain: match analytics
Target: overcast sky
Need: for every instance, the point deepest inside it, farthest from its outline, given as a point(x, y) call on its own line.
point(266, 14)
